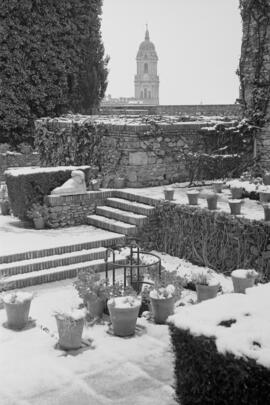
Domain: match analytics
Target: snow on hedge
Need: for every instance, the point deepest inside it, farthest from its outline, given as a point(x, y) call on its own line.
point(18, 171)
point(246, 332)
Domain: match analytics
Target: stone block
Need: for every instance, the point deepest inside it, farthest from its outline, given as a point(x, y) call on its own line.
point(138, 158)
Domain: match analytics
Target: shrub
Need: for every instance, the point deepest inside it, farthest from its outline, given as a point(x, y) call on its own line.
point(204, 376)
point(29, 186)
point(51, 61)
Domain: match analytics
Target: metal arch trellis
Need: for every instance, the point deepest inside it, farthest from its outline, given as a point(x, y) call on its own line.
point(134, 267)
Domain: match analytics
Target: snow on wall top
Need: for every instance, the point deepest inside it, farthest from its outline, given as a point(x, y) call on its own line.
point(248, 336)
point(18, 171)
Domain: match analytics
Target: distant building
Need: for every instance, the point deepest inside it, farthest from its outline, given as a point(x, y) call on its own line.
point(146, 80)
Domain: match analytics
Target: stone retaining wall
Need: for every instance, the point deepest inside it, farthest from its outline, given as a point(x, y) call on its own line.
point(72, 210)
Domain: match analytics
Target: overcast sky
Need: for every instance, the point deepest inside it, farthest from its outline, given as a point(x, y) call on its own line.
point(198, 44)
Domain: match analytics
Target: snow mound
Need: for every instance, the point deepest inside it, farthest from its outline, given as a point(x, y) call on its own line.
point(248, 333)
point(124, 302)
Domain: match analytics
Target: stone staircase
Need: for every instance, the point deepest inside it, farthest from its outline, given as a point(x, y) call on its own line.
point(58, 263)
point(125, 213)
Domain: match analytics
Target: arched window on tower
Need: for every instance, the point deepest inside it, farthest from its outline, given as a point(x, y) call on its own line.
point(145, 93)
point(145, 68)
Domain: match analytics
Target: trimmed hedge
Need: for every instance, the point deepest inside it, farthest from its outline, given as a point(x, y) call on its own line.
point(205, 377)
point(27, 189)
point(216, 239)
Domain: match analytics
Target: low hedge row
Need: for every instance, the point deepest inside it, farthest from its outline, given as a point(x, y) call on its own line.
point(28, 187)
point(216, 239)
point(205, 377)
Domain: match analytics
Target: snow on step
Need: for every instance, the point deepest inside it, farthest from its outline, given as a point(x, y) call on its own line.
point(126, 216)
point(24, 266)
point(111, 224)
point(56, 273)
point(108, 239)
point(132, 206)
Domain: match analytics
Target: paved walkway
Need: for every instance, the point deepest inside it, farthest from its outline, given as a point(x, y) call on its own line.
point(112, 370)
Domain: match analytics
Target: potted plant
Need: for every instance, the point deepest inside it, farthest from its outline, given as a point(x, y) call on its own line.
point(237, 192)
point(168, 194)
point(264, 193)
point(212, 201)
point(39, 214)
point(95, 184)
point(193, 196)
point(206, 286)
point(94, 292)
point(243, 279)
point(235, 206)
point(123, 307)
point(218, 186)
point(163, 292)
point(70, 327)
point(266, 208)
point(5, 206)
point(17, 305)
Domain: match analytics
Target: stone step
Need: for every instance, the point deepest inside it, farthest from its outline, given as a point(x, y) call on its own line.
point(47, 262)
point(136, 197)
point(133, 206)
point(121, 215)
point(109, 241)
point(55, 273)
point(111, 224)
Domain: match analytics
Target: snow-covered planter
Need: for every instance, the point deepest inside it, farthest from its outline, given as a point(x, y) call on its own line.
point(124, 313)
point(243, 279)
point(212, 201)
point(162, 302)
point(70, 327)
point(218, 186)
point(266, 208)
point(235, 206)
point(168, 194)
point(17, 305)
point(206, 286)
point(222, 349)
point(193, 196)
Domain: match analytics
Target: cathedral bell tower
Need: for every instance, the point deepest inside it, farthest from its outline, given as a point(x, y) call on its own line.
point(146, 80)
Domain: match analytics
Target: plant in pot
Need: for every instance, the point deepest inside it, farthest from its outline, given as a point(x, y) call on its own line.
point(123, 306)
point(17, 305)
point(168, 194)
point(93, 290)
point(206, 286)
point(266, 208)
point(70, 327)
point(193, 196)
point(212, 201)
point(218, 186)
point(95, 184)
point(39, 214)
point(243, 279)
point(235, 206)
point(163, 293)
point(264, 194)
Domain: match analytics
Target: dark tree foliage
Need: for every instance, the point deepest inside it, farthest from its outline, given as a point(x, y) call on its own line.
point(51, 62)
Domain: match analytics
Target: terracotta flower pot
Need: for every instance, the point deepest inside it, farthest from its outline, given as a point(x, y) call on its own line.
point(264, 196)
point(240, 284)
point(162, 308)
point(96, 307)
point(5, 207)
point(123, 319)
point(70, 332)
point(266, 208)
point(212, 201)
point(168, 194)
point(206, 292)
point(236, 192)
point(266, 179)
point(39, 223)
point(217, 187)
point(95, 185)
point(235, 206)
point(17, 313)
point(193, 196)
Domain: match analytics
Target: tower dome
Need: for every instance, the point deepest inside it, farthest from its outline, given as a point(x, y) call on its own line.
point(146, 80)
